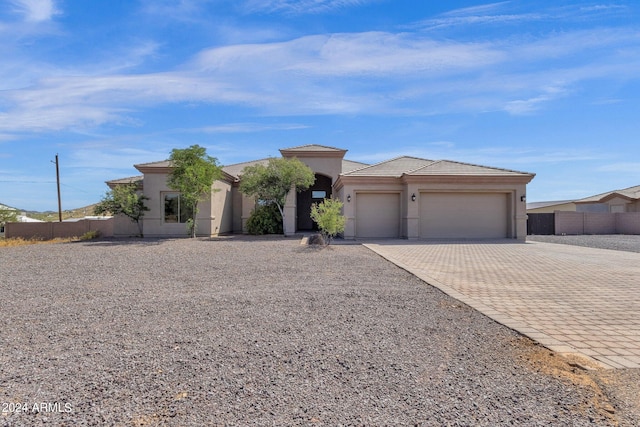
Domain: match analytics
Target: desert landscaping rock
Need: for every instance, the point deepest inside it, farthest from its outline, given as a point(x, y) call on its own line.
point(616, 242)
point(260, 331)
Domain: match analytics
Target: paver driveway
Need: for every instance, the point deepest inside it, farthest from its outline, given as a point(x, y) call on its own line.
point(570, 299)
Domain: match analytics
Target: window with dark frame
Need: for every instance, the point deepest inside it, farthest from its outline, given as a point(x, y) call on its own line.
point(174, 210)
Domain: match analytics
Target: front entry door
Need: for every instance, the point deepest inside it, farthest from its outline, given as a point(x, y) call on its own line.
point(320, 190)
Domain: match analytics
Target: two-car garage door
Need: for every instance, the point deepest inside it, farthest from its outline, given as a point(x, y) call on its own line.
point(463, 215)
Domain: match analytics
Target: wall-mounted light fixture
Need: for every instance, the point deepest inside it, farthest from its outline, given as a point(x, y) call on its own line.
point(523, 198)
point(348, 198)
point(413, 197)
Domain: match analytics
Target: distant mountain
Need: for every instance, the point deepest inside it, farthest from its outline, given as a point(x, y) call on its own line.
point(7, 207)
point(53, 215)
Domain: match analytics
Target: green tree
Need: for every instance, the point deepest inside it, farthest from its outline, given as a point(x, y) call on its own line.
point(126, 200)
point(193, 173)
point(8, 215)
point(273, 182)
point(328, 215)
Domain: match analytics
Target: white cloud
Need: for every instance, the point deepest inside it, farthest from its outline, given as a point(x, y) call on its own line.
point(451, 21)
point(182, 10)
point(248, 128)
point(621, 167)
point(365, 73)
point(526, 106)
point(475, 10)
point(300, 6)
point(107, 157)
point(36, 10)
point(356, 54)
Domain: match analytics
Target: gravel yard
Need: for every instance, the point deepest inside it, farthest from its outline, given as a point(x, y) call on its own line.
point(618, 242)
point(243, 331)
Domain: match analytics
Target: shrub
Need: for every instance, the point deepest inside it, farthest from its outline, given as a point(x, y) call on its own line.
point(327, 215)
point(265, 219)
point(91, 234)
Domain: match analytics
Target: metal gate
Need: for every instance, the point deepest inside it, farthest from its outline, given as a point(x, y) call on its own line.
point(541, 224)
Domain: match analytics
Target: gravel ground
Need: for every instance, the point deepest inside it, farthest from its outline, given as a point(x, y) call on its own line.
point(618, 242)
point(263, 332)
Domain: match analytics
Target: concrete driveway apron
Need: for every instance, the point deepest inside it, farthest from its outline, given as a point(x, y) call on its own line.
point(570, 299)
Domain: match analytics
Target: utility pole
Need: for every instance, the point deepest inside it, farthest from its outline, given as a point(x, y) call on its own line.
point(58, 182)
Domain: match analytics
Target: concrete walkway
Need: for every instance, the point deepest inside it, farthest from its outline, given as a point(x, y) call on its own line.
point(569, 299)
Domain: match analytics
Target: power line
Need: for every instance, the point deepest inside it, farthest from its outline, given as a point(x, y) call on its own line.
point(28, 182)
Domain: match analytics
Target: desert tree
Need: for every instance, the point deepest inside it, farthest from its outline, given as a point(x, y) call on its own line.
point(192, 175)
point(124, 199)
point(273, 183)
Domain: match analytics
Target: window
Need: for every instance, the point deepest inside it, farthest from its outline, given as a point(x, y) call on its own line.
point(318, 194)
point(174, 210)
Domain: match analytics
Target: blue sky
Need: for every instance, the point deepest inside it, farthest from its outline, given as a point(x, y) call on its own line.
point(550, 87)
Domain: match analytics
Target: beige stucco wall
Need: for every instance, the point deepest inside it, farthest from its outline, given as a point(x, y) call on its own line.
point(618, 204)
point(597, 223)
point(331, 167)
point(124, 227)
point(52, 230)
point(215, 214)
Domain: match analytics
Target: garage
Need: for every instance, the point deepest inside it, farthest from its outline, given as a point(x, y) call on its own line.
point(463, 215)
point(378, 215)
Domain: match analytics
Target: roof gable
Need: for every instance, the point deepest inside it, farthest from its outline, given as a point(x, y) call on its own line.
point(313, 150)
point(393, 168)
point(631, 193)
point(312, 147)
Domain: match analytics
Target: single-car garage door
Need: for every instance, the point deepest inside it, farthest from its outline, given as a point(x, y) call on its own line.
point(378, 215)
point(463, 215)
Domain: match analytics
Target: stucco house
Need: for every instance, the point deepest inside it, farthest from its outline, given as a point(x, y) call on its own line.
point(20, 216)
point(405, 197)
point(616, 201)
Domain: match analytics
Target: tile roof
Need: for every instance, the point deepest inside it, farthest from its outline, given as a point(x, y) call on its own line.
point(236, 169)
point(538, 205)
point(160, 164)
point(630, 193)
point(449, 167)
point(350, 165)
point(312, 147)
point(129, 180)
point(415, 166)
point(394, 167)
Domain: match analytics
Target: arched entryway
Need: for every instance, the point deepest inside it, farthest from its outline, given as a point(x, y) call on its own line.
point(320, 190)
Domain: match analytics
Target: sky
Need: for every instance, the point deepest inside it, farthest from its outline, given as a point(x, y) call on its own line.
point(550, 87)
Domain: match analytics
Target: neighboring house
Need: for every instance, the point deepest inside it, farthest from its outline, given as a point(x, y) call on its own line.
point(617, 201)
point(405, 197)
point(551, 207)
point(21, 217)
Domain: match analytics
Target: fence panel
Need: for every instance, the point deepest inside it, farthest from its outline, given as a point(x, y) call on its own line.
point(50, 230)
point(541, 223)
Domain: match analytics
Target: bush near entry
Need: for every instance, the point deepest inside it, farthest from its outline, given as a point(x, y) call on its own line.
point(328, 215)
point(265, 219)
